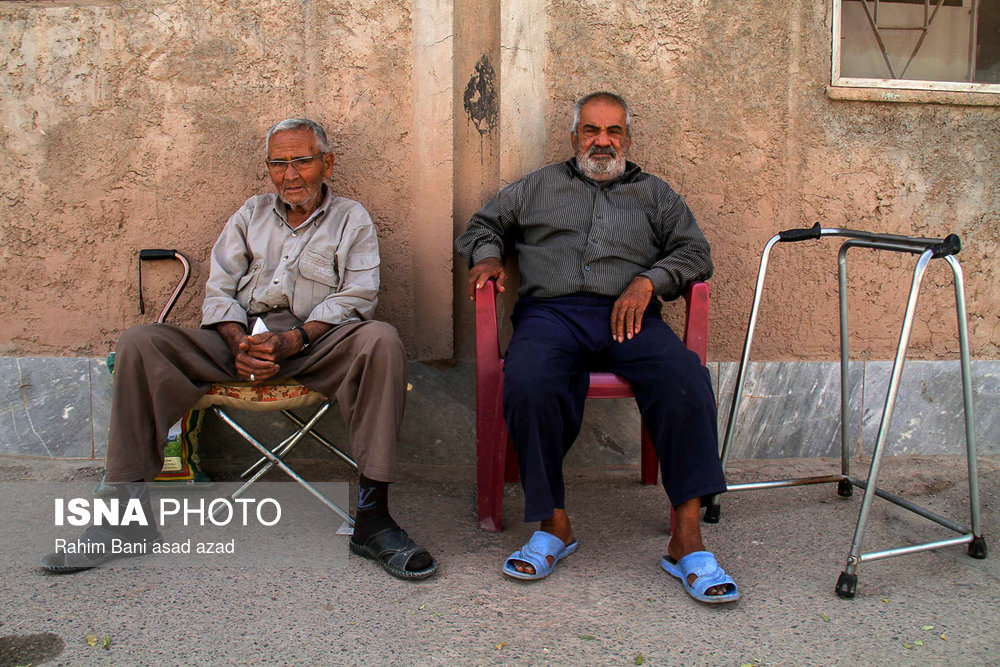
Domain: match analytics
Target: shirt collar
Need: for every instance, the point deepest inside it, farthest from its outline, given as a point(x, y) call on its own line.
point(631, 171)
point(317, 216)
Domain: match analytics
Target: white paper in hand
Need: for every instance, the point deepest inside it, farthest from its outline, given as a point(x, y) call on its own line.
point(258, 327)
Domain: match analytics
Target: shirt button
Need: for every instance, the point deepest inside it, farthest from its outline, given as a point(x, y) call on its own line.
point(285, 257)
point(294, 234)
point(275, 282)
point(600, 215)
point(593, 240)
point(586, 268)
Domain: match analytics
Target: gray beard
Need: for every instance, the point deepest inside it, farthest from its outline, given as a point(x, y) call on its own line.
point(315, 199)
point(601, 170)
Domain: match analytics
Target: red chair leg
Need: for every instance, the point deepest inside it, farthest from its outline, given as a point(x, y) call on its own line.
point(491, 446)
point(489, 484)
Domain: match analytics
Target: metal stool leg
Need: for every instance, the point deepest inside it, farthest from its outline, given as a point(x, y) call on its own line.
point(279, 450)
point(282, 448)
point(274, 460)
point(332, 448)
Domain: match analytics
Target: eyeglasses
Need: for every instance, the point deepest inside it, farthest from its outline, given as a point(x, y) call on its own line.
point(298, 163)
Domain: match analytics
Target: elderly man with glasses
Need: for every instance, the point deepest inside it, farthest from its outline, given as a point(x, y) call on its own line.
point(305, 262)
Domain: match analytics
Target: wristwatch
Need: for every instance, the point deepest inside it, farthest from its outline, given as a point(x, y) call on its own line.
point(305, 337)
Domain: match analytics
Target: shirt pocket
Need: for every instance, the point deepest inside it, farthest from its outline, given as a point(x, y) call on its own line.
point(319, 267)
point(315, 280)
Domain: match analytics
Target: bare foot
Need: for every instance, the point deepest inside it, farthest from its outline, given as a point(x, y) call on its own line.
point(558, 524)
point(687, 539)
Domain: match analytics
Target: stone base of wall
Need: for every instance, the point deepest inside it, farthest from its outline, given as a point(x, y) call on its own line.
point(54, 407)
point(59, 408)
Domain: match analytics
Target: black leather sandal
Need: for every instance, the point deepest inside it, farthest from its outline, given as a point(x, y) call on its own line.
point(393, 549)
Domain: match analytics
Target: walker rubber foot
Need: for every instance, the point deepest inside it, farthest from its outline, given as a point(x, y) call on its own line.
point(847, 585)
point(713, 513)
point(977, 548)
point(845, 489)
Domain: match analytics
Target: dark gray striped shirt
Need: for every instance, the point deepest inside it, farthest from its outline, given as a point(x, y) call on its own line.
point(573, 235)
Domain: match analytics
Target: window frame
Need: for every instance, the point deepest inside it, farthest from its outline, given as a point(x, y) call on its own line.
point(838, 81)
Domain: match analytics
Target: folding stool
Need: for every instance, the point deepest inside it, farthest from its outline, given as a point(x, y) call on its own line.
point(284, 395)
point(927, 250)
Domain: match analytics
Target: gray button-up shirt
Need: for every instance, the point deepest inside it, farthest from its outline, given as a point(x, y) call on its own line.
point(326, 269)
point(572, 234)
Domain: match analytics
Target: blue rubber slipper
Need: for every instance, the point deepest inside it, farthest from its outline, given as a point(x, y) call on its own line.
point(535, 552)
point(709, 574)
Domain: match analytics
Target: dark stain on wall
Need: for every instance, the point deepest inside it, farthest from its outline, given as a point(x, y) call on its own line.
point(480, 100)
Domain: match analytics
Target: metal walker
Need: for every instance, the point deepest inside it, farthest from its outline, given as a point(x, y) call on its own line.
point(927, 249)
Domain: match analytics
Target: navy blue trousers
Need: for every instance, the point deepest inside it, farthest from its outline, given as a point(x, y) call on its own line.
point(557, 343)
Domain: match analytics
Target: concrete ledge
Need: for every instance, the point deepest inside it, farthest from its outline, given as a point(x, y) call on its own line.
point(912, 96)
point(59, 408)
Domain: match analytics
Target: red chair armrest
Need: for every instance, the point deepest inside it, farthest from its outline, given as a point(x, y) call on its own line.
point(487, 332)
point(696, 325)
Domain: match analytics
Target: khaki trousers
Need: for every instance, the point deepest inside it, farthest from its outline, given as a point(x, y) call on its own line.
point(162, 370)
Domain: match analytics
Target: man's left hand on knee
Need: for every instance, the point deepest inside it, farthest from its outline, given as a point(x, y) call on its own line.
point(626, 316)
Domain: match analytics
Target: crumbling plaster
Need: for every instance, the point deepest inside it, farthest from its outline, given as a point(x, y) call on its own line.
point(139, 124)
point(729, 107)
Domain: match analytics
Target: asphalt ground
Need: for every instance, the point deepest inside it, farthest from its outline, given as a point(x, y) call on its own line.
point(607, 604)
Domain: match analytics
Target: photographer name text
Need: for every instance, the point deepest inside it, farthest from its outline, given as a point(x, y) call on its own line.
point(135, 548)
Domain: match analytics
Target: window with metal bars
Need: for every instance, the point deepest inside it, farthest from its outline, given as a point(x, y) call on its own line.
point(949, 45)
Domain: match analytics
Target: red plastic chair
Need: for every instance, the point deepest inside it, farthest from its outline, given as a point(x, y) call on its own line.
point(495, 458)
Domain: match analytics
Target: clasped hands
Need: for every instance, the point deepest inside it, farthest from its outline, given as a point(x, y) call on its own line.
point(626, 316)
point(257, 356)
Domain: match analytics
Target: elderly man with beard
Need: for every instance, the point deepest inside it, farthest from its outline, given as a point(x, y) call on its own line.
point(305, 262)
point(596, 240)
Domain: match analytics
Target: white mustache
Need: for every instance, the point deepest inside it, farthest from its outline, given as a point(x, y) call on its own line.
point(601, 150)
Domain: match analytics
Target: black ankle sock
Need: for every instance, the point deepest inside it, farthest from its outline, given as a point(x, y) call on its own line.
point(373, 516)
point(373, 509)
